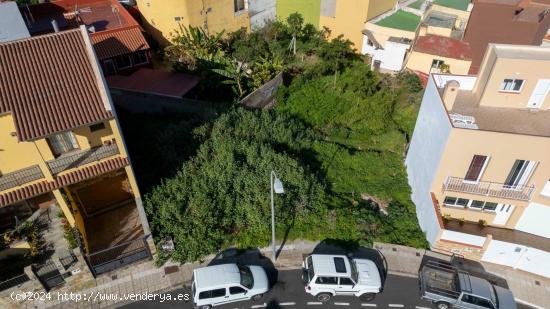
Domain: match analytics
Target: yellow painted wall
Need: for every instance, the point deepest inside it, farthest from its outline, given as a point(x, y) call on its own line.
point(422, 62)
point(158, 16)
point(503, 149)
point(79, 219)
point(87, 139)
point(526, 69)
point(15, 155)
point(351, 16)
point(379, 7)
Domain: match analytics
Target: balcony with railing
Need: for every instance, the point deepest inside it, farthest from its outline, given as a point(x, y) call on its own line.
point(520, 192)
point(20, 177)
point(83, 157)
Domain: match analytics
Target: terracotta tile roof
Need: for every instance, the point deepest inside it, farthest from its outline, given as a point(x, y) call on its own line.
point(112, 43)
point(443, 46)
point(49, 85)
point(88, 172)
point(91, 171)
point(26, 192)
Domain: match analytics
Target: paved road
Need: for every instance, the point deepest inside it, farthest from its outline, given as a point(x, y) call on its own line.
point(288, 293)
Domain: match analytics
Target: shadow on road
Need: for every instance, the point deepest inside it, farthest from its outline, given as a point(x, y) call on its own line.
point(247, 257)
point(273, 304)
point(354, 250)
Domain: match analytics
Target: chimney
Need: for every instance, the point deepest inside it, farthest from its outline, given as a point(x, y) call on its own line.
point(55, 26)
point(449, 94)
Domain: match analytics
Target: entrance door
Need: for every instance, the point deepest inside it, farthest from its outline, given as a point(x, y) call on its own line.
point(539, 94)
point(503, 213)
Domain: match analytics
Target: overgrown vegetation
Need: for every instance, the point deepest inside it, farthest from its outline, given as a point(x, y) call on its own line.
point(336, 139)
point(68, 231)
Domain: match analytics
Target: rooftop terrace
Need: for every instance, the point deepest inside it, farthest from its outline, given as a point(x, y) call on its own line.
point(489, 118)
point(400, 20)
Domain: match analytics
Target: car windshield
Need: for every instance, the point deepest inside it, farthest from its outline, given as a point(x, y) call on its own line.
point(354, 274)
point(247, 280)
point(310, 270)
point(494, 297)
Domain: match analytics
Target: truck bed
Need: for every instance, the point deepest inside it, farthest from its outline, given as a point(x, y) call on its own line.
point(440, 279)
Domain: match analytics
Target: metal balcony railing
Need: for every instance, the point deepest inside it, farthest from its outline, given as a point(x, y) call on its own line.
point(20, 177)
point(493, 189)
point(80, 158)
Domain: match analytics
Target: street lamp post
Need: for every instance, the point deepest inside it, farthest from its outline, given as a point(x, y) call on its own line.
point(277, 186)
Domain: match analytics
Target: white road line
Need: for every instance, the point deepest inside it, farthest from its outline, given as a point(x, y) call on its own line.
point(368, 305)
point(396, 305)
point(314, 303)
point(420, 307)
point(341, 304)
point(288, 304)
point(259, 306)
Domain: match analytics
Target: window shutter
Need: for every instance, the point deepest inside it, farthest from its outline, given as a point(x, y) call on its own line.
point(476, 167)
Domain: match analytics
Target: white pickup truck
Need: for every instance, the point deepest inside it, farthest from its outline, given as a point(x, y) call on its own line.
point(329, 275)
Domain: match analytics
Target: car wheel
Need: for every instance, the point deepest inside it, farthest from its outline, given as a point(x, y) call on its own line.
point(442, 305)
point(257, 297)
point(205, 307)
point(367, 296)
point(323, 297)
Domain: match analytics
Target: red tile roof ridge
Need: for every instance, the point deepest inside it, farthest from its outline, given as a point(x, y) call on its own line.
point(41, 36)
point(115, 30)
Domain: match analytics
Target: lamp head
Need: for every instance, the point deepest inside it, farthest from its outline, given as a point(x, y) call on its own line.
point(278, 186)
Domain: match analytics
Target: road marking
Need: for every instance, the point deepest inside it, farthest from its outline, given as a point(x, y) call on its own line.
point(260, 306)
point(314, 303)
point(368, 305)
point(341, 304)
point(396, 305)
point(420, 307)
point(288, 304)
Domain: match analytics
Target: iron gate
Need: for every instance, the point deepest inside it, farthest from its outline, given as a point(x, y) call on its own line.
point(118, 256)
point(48, 275)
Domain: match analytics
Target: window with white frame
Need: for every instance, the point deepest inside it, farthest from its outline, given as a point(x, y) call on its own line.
point(512, 85)
point(520, 173)
point(476, 168)
point(451, 201)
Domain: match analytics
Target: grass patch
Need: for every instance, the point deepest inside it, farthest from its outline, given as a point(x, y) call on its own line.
point(454, 4)
point(401, 20)
point(417, 4)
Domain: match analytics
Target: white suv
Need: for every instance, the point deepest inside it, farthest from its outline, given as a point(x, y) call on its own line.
point(329, 275)
point(227, 283)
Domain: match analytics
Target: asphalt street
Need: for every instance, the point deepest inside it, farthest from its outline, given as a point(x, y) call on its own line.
point(288, 292)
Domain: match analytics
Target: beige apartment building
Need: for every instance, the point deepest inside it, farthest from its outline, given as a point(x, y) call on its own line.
point(478, 161)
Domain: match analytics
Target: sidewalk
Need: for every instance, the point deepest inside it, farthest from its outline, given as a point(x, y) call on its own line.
point(145, 277)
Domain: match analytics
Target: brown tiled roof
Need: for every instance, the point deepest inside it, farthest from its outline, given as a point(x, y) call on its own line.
point(443, 46)
point(112, 43)
point(33, 190)
point(505, 22)
point(49, 85)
